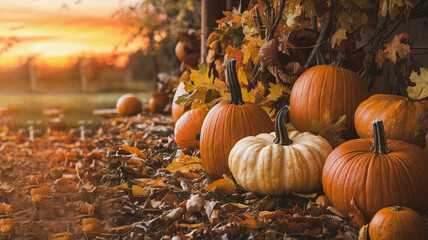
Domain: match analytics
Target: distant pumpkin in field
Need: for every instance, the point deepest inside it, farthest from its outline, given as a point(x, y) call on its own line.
point(128, 104)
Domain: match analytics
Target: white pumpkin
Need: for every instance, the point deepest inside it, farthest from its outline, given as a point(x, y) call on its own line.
point(270, 165)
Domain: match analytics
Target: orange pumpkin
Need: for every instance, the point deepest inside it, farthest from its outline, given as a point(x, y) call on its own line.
point(389, 173)
point(188, 128)
point(180, 51)
point(177, 110)
point(128, 104)
point(157, 101)
point(398, 113)
point(227, 123)
point(326, 88)
point(398, 223)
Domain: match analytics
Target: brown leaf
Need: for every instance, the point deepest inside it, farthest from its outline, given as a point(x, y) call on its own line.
point(221, 185)
point(327, 129)
point(357, 219)
point(185, 163)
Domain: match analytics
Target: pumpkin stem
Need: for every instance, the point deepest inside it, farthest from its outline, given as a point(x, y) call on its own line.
point(380, 143)
point(280, 127)
point(235, 88)
point(397, 208)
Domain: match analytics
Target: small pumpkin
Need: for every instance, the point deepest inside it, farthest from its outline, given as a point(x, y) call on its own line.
point(157, 101)
point(227, 123)
point(377, 172)
point(128, 104)
point(187, 131)
point(397, 223)
point(399, 115)
point(277, 163)
point(323, 88)
point(177, 110)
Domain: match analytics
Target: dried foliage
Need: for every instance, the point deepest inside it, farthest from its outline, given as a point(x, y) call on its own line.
point(126, 179)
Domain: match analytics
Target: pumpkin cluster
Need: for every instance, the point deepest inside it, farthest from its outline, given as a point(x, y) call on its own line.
point(382, 169)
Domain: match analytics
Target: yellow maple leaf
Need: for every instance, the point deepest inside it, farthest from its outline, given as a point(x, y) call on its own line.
point(419, 91)
point(252, 49)
point(261, 87)
point(327, 129)
point(248, 96)
point(185, 163)
point(277, 90)
point(242, 77)
point(338, 36)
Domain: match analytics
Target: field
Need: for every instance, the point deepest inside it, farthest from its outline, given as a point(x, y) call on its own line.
point(76, 106)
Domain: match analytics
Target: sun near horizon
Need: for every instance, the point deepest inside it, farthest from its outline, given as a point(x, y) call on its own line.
point(58, 32)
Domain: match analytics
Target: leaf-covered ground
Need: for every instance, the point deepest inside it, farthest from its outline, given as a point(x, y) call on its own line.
point(126, 179)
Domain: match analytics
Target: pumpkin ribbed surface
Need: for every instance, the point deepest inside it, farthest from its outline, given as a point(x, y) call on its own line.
point(375, 180)
point(225, 125)
point(326, 88)
point(399, 115)
point(188, 128)
point(261, 166)
point(398, 223)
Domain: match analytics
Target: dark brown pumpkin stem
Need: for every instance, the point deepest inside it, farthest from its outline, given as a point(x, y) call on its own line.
point(280, 127)
point(397, 208)
point(380, 143)
point(235, 88)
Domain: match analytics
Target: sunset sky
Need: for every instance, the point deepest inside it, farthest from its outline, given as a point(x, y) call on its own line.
point(58, 33)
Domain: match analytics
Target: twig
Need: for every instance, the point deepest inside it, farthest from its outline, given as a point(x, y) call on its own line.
point(320, 36)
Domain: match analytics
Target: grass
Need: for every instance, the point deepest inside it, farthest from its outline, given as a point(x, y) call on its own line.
point(76, 106)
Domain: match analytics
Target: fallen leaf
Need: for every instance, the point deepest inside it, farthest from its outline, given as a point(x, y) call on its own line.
point(221, 185)
point(357, 219)
point(138, 191)
point(185, 163)
point(133, 150)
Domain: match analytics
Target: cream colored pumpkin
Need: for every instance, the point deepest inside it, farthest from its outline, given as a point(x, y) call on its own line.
point(270, 165)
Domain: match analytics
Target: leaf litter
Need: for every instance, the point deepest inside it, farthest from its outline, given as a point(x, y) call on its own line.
point(129, 180)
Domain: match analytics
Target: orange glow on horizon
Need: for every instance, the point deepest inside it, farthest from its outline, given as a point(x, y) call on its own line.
point(57, 37)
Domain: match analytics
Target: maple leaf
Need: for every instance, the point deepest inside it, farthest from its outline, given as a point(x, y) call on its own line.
point(396, 47)
point(277, 91)
point(419, 91)
point(185, 163)
point(242, 77)
point(248, 96)
point(327, 129)
point(292, 11)
point(252, 49)
point(337, 37)
point(232, 19)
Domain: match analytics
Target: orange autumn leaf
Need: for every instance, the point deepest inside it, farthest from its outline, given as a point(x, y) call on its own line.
point(138, 191)
point(221, 185)
point(160, 182)
point(133, 150)
point(185, 163)
point(397, 48)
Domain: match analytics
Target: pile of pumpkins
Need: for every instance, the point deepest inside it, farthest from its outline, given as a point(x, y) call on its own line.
point(382, 169)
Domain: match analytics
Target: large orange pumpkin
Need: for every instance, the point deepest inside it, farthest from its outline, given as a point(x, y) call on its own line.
point(377, 173)
point(177, 110)
point(397, 223)
point(326, 88)
point(128, 104)
point(227, 123)
point(399, 115)
point(187, 131)
point(157, 101)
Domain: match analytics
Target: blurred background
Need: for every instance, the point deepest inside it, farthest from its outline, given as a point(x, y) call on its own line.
point(81, 55)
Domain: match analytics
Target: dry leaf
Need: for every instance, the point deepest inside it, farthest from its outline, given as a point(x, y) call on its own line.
point(396, 47)
point(221, 185)
point(7, 225)
point(419, 91)
point(133, 150)
point(357, 219)
point(185, 163)
point(330, 131)
point(138, 191)
point(338, 37)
